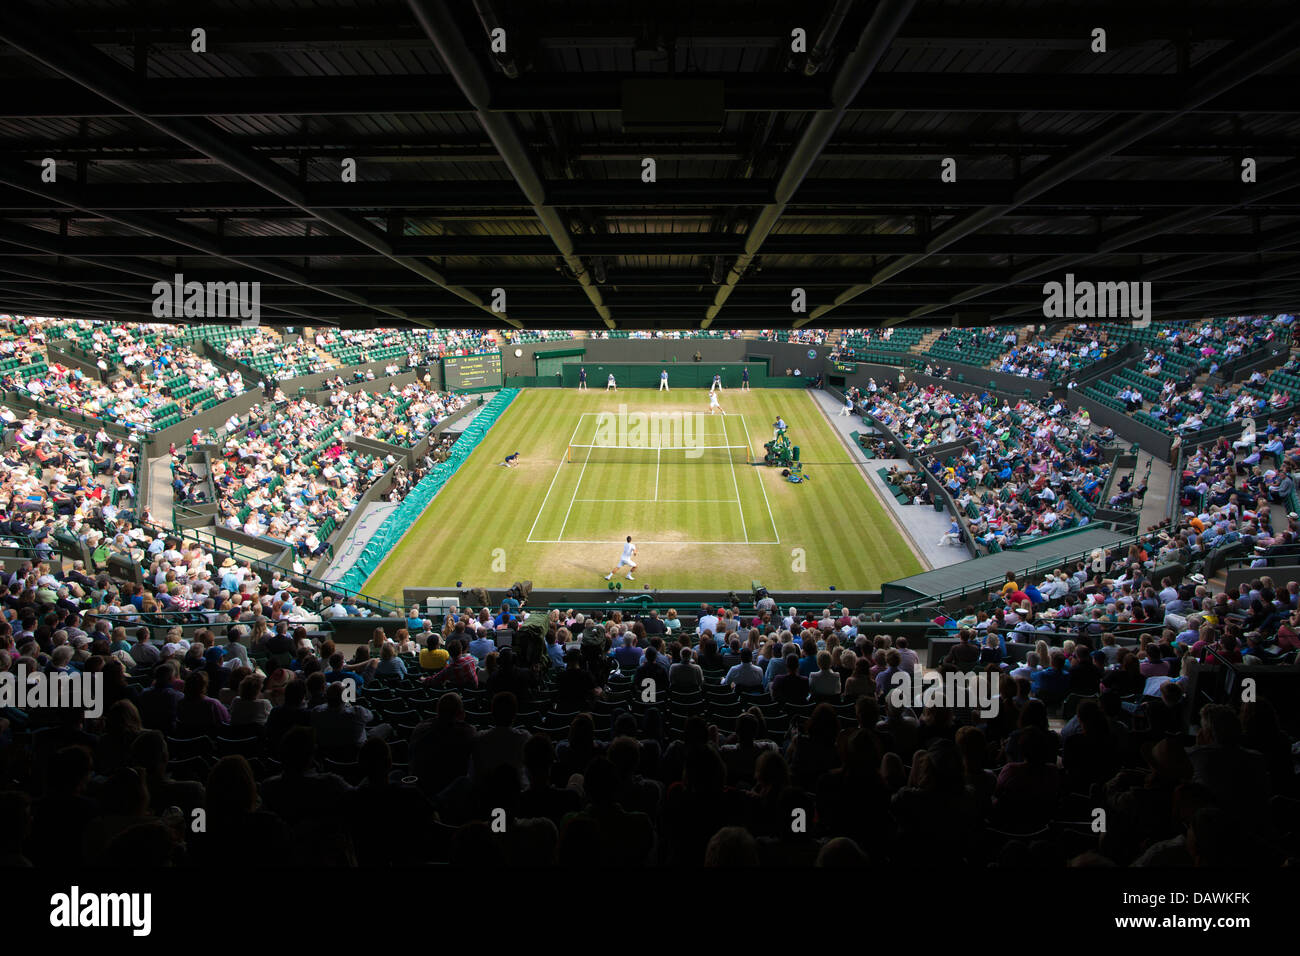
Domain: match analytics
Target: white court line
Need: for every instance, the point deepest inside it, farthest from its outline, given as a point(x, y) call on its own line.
point(553, 480)
point(761, 484)
point(561, 540)
point(735, 484)
point(575, 493)
point(708, 432)
point(658, 459)
point(691, 543)
point(657, 501)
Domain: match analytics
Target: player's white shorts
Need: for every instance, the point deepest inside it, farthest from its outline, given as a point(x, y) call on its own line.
point(626, 562)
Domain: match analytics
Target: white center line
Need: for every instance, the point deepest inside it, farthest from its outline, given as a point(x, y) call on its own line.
point(575, 493)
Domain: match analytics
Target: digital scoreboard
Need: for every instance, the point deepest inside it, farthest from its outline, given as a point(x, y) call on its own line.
point(847, 367)
point(462, 372)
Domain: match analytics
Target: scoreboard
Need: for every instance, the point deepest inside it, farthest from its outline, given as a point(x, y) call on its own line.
point(846, 367)
point(460, 372)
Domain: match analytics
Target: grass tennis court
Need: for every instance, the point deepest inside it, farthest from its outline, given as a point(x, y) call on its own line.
point(595, 467)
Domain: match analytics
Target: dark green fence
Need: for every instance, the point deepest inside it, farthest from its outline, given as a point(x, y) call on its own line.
point(680, 375)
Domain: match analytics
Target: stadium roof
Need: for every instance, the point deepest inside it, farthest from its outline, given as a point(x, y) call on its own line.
point(522, 170)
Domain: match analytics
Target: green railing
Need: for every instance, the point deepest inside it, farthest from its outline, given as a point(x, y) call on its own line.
point(232, 549)
point(886, 611)
point(403, 517)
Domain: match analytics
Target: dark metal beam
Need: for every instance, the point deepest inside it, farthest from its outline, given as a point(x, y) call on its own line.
point(1095, 196)
point(139, 147)
point(89, 69)
point(599, 93)
point(1270, 50)
point(1123, 240)
point(652, 244)
point(880, 29)
point(470, 77)
point(106, 281)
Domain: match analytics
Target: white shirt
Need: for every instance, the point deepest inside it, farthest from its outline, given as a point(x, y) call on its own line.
point(629, 549)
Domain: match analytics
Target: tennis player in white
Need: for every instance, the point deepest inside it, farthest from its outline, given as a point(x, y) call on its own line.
point(713, 404)
point(663, 380)
point(629, 552)
point(611, 384)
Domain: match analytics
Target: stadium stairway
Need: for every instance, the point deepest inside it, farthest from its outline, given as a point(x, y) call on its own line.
point(158, 497)
point(923, 347)
point(1155, 505)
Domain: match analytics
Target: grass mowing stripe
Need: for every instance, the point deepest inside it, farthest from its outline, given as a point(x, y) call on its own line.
point(836, 516)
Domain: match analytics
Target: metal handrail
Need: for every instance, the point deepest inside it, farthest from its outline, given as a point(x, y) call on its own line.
point(231, 548)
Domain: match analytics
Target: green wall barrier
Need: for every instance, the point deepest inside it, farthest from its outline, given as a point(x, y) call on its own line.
point(680, 374)
point(405, 514)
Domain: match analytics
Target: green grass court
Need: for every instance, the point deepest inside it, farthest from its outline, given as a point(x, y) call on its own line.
point(595, 467)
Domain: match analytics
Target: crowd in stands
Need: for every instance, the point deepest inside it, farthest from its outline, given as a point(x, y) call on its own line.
point(146, 378)
point(799, 336)
point(1024, 471)
point(409, 347)
point(1031, 472)
point(273, 355)
point(667, 334)
point(286, 473)
point(756, 715)
point(288, 470)
point(1043, 358)
point(853, 340)
point(400, 415)
point(55, 474)
point(1163, 390)
point(245, 705)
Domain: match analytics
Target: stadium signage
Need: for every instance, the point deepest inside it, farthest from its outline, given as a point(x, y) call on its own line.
point(1096, 300)
point(847, 367)
point(208, 300)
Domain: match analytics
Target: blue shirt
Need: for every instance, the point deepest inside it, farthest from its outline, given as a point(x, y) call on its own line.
point(332, 677)
point(629, 658)
point(394, 667)
point(1051, 681)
